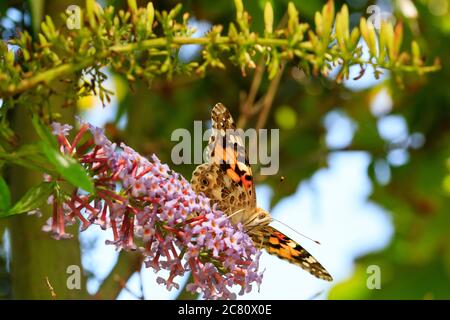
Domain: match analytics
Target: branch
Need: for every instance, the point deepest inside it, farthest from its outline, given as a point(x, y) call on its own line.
point(2, 231)
point(185, 294)
point(247, 108)
point(67, 69)
point(268, 98)
point(50, 288)
point(46, 77)
point(131, 46)
point(127, 264)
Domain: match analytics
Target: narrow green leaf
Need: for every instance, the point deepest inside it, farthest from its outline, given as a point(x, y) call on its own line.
point(239, 9)
point(28, 156)
point(27, 150)
point(68, 168)
point(132, 5)
point(90, 9)
point(415, 50)
point(150, 16)
point(5, 196)
point(175, 11)
point(268, 18)
point(33, 199)
point(36, 9)
point(43, 132)
point(293, 17)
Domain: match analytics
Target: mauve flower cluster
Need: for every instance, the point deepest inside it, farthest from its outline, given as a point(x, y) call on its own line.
point(153, 209)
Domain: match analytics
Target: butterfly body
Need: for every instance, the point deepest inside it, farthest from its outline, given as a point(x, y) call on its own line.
point(220, 187)
point(227, 180)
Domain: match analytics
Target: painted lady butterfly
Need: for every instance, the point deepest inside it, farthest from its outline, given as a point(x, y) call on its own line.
point(227, 180)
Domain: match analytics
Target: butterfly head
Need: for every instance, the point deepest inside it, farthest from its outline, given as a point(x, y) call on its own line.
point(260, 218)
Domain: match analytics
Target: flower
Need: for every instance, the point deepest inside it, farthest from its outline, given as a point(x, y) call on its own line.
point(153, 209)
point(60, 129)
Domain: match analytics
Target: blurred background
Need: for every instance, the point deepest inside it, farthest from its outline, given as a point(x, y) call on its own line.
point(364, 165)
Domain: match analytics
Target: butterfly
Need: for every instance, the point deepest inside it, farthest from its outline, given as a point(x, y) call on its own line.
point(227, 180)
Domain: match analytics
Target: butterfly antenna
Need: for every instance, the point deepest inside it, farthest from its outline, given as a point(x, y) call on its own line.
point(236, 212)
point(315, 296)
point(284, 224)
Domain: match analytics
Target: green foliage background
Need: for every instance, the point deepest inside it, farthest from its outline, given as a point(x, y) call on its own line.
point(415, 265)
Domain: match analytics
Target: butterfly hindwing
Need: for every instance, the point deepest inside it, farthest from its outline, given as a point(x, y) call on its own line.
point(280, 245)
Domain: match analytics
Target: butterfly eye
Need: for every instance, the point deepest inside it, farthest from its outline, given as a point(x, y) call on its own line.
point(262, 215)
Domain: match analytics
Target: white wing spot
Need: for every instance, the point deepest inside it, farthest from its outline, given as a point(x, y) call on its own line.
point(292, 244)
point(310, 259)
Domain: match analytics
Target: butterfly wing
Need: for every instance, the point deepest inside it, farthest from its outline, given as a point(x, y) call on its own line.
point(280, 245)
point(227, 181)
point(220, 188)
point(226, 149)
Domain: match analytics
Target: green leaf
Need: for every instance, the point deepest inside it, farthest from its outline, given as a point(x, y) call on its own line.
point(5, 196)
point(43, 132)
point(37, 9)
point(28, 156)
point(33, 199)
point(68, 168)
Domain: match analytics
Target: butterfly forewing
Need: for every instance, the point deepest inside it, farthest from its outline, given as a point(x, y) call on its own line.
point(220, 188)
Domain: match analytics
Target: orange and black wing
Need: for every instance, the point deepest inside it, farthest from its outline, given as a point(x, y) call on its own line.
point(226, 148)
point(283, 247)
